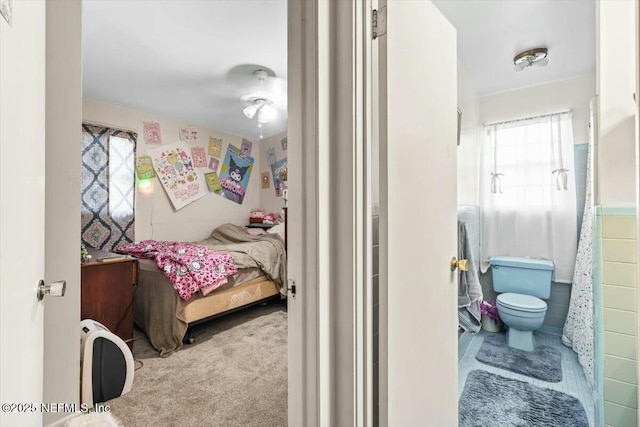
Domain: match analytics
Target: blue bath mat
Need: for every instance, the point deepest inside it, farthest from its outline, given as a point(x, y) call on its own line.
point(544, 363)
point(492, 400)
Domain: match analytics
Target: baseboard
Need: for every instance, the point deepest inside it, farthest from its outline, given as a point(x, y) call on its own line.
point(463, 344)
point(63, 421)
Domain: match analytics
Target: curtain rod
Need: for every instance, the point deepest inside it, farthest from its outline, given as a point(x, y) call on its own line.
point(115, 127)
point(528, 118)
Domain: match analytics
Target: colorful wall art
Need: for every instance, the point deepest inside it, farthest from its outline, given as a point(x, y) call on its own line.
point(215, 147)
point(152, 133)
point(235, 174)
point(144, 168)
point(199, 156)
point(176, 171)
point(279, 171)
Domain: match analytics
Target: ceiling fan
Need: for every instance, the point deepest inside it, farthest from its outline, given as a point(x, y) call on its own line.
point(261, 102)
point(528, 58)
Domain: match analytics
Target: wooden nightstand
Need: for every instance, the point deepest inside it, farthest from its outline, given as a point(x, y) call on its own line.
point(106, 291)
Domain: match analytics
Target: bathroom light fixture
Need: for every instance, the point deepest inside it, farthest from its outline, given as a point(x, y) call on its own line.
point(536, 56)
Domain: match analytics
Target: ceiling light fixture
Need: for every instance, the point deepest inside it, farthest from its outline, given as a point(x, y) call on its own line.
point(263, 108)
point(260, 102)
point(536, 56)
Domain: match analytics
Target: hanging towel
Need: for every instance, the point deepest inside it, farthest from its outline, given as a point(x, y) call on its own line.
point(469, 289)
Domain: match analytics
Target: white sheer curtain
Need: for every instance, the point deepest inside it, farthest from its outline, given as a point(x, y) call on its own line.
point(528, 195)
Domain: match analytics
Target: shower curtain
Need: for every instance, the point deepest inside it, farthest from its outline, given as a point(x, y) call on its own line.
point(578, 332)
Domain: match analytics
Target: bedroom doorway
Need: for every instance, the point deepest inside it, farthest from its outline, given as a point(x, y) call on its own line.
point(214, 90)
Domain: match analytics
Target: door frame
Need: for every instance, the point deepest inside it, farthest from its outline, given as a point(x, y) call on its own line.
point(329, 216)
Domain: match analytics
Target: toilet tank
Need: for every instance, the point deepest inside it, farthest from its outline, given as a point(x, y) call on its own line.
point(528, 276)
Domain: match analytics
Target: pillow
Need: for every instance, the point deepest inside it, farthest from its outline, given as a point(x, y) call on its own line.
point(256, 231)
point(277, 229)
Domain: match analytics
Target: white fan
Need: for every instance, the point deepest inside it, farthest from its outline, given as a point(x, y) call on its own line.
point(267, 100)
point(528, 58)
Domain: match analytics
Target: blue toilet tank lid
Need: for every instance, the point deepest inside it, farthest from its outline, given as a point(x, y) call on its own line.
point(521, 262)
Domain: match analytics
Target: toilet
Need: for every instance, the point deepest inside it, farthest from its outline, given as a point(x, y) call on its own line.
point(521, 284)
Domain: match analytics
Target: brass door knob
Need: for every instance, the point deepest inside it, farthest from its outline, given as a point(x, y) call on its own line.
point(463, 264)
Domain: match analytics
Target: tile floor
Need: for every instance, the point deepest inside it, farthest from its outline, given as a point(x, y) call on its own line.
point(573, 381)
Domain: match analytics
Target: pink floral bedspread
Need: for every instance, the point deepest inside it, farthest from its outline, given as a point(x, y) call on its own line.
point(191, 268)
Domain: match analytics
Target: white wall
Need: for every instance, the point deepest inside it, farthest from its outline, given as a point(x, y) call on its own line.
point(572, 94)
point(268, 200)
point(469, 148)
point(616, 62)
point(155, 216)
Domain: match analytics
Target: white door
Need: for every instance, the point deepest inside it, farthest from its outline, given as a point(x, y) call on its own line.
point(418, 227)
point(22, 202)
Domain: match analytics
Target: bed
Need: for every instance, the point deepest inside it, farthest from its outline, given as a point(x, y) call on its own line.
point(261, 274)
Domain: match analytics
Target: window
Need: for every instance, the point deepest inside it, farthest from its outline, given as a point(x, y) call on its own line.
point(528, 194)
point(108, 187)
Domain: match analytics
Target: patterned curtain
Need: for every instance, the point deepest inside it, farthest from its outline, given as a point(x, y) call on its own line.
point(108, 186)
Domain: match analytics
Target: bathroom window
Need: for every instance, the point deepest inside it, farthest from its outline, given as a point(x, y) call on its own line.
point(528, 195)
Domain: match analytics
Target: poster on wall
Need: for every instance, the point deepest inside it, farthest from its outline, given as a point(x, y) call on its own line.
point(235, 174)
point(175, 169)
point(215, 147)
point(213, 182)
point(199, 156)
point(283, 143)
point(264, 179)
point(144, 168)
point(279, 171)
point(188, 134)
point(213, 164)
point(152, 133)
point(271, 156)
point(245, 147)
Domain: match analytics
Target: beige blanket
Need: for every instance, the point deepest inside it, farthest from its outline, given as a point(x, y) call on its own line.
point(159, 311)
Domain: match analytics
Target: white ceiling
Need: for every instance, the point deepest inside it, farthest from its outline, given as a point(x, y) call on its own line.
point(492, 32)
point(188, 60)
point(192, 60)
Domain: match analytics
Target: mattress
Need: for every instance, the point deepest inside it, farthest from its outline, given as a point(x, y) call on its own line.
point(164, 316)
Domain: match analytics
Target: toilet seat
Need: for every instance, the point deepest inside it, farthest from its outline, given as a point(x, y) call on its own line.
point(522, 302)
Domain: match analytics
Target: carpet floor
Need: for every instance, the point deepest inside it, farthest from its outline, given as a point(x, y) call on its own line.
point(235, 374)
point(488, 397)
point(544, 362)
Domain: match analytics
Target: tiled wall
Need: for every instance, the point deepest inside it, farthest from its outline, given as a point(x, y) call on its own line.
point(615, 269)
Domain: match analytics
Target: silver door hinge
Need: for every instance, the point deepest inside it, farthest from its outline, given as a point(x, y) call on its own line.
point(292, 288)
point(379, 22)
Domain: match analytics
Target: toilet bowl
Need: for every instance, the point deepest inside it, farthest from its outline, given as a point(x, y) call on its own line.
point(523, 314)
point(521, 284)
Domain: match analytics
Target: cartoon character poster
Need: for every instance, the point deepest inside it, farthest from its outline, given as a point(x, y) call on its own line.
point(279, 171)
point(235, 174)
point(245, 147)
point(215, 147)
point(175, 169)
point(152, 133)
point(213, 164)
point(199, 156)
point(188, 134)
point(213, 182)
point(271, 156)
point(144, 168)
